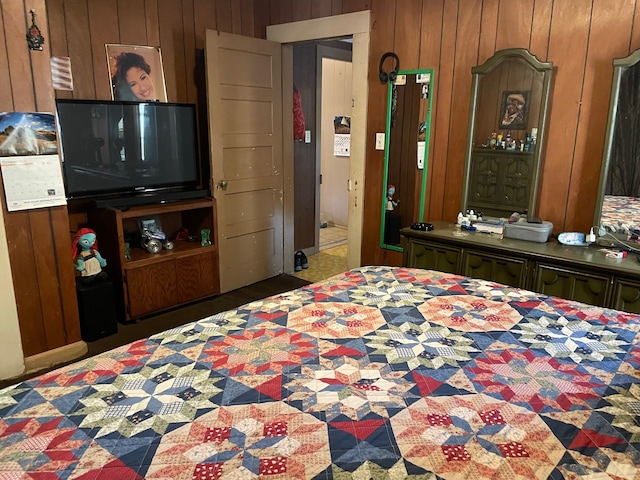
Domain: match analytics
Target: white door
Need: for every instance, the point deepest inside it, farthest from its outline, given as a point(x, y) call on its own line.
point(244, 90)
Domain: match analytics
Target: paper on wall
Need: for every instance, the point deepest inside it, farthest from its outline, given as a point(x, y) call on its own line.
point(32, 181)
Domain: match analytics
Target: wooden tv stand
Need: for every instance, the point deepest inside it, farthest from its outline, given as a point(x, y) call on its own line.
point(149, 283)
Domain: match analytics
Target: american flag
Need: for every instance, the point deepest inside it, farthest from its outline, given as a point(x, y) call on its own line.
point(61, 73)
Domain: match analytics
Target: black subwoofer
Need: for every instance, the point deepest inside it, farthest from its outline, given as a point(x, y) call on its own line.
point(97, 307)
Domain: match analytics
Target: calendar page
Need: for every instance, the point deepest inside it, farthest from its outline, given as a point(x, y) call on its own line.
point(342, 145)
point(32, 181)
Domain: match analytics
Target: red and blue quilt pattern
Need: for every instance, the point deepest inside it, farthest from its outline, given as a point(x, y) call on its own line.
point(379, 373)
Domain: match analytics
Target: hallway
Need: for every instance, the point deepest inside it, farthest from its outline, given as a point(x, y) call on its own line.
point(332, 257)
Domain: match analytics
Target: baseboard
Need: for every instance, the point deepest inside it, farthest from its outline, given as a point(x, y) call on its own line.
point(57, 356)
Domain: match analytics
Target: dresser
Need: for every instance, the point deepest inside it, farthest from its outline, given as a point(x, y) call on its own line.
point(584, 274)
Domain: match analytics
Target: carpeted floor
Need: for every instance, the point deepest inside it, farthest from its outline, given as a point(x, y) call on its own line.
point(325, 264)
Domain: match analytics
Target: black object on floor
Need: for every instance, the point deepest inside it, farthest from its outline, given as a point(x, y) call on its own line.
point(96, 305)
point(301, 261)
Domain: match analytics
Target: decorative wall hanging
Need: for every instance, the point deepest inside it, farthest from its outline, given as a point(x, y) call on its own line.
point(35, 40)
point(136, 73)
point(61, 76)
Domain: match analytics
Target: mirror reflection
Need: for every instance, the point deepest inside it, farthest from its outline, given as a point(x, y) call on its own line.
point(509, 102)
point(618, 209)
point(406, 153)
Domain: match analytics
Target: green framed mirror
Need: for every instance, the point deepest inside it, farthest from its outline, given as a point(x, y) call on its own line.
point(510, 95)
point(406, 153)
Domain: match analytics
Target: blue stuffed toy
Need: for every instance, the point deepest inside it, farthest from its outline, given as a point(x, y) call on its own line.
point(88, 260)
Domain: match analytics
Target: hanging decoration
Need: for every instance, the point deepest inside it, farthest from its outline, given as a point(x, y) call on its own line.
point(35, 40)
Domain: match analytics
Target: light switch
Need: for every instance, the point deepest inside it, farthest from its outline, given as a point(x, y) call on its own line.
point(379, 141)
point(307, 136)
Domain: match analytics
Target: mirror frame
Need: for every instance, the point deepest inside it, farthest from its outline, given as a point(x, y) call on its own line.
point(387, 139)
point(620, 65)
point(546, 68)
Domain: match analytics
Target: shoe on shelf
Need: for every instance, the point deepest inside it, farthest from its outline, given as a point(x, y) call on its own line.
point(298, 262)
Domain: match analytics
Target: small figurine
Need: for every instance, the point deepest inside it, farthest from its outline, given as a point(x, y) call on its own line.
point(206, 237)
point(391, 203)
point(89, 262)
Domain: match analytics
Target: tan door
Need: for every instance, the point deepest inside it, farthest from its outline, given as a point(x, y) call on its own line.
point(244, 90)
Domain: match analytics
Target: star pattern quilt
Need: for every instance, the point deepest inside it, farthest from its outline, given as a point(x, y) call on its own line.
point(620, 214)
point(378, 373)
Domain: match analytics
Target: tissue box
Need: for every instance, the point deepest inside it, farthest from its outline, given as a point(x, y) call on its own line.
point(533, 232)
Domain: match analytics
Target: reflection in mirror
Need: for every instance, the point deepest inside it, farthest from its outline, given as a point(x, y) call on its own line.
point(618, 202)
point(406, 153)
point(509, 100)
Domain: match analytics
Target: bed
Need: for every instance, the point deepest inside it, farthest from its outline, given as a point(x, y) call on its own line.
point(620, 214)
point(377, 373)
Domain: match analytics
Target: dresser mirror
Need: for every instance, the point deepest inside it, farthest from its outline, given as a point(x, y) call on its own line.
point(618, 202)
point(507, 122)
point(406, 151)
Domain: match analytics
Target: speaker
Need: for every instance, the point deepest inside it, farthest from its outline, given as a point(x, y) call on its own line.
point(392, 225)
point(96, 304)
point(391, 76)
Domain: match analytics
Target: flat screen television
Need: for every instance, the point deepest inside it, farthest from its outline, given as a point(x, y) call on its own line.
point(127, 149)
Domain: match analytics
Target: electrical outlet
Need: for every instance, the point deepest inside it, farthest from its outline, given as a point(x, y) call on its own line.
point(379, 141)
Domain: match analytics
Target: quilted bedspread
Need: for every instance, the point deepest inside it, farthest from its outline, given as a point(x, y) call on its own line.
point(620, 214)
point(378, 373)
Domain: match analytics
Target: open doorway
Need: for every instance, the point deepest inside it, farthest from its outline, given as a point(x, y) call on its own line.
point(322, 75)
point(357, 25)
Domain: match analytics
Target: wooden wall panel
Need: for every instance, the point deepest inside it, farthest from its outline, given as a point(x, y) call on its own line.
point(429, 58)
point(79, 50)
point(15, 26)
point(44, 288)
point(514, 24)
point(131, 22)
point(57, 35)
point(236, 17)
point(488, 30)
point(607, 16)
point(382, 36)
point(540, 28)
point(465, 58)
point(152, 23)
point(305, 180)
point(189, 53)
point(248, 24)
point(301, 10)
point(172, 45)
point(320, 8)
point(6, 97)
point(103, 23)
point(569, 33)
point(443, 99)
point(224, 16)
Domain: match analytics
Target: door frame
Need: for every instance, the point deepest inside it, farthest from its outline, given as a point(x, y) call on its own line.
point(358, 26)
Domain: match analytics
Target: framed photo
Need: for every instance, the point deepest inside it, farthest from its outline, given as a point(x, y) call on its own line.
point(515, 109)
point(136, 73)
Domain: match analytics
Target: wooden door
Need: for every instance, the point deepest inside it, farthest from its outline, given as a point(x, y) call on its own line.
point(244, 90)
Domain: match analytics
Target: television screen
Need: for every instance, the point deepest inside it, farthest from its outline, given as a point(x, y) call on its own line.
point(125, 148)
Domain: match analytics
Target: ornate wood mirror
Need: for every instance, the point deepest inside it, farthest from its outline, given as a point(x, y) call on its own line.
point(408, 128)
point(618, 202)
point(507, 120)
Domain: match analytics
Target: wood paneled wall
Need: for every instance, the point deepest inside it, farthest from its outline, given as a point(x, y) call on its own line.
point(38, 240)
point(580, 37)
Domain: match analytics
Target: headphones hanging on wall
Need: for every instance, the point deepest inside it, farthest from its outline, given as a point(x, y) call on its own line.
point(391, 76)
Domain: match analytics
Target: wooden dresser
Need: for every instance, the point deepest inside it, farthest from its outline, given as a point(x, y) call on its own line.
point(584, 274)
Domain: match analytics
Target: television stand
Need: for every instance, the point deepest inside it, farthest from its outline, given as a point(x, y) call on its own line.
point(148, 283)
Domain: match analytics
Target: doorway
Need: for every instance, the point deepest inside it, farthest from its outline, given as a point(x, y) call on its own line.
point(356, 25)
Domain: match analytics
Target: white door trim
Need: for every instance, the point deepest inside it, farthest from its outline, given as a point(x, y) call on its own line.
point(358, 25)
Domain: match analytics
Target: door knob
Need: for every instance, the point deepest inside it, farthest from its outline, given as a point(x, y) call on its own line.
point(222, 185)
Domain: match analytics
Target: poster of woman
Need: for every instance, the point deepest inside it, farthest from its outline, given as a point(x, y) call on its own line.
point(136, 73)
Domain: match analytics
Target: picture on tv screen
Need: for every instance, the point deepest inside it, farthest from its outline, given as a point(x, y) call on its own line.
point(127, 147)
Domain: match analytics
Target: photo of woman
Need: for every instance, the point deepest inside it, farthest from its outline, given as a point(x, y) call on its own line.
point(136, 73)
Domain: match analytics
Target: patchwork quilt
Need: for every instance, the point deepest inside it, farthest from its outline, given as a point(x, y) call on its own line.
point(378, 373)
point(620, 214)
